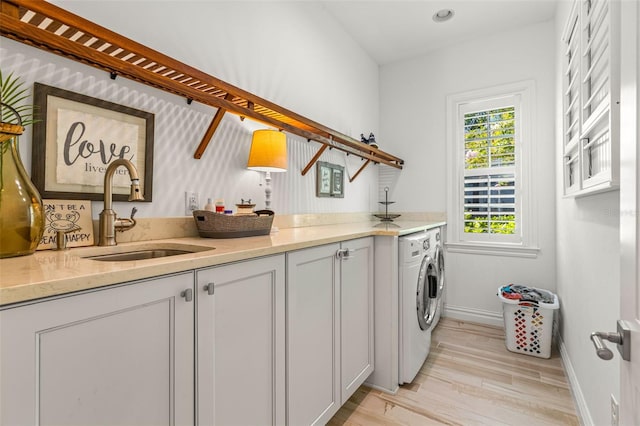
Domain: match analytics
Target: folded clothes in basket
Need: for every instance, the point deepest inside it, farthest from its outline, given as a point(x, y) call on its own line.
point(527, 294)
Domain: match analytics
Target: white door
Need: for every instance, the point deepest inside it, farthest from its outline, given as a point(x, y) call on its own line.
point(629, 209)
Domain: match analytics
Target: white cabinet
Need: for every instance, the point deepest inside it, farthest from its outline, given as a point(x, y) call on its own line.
point(329, 327)
point(313, 344)
point(226, 345)
point(120, 356)
point(356, 315)
point(241, 343)
point(591, 97)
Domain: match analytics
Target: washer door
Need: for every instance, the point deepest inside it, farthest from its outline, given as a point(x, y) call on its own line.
point(440, 270)
point(427, 304)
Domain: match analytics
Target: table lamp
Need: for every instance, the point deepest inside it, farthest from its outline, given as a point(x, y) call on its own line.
point(268, 154)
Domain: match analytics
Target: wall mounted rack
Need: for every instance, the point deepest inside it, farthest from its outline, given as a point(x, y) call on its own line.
point(48, 27)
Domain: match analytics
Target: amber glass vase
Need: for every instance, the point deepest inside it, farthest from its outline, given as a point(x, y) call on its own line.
point(21, 215)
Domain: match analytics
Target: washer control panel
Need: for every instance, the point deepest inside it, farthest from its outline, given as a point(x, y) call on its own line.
point(413, 246)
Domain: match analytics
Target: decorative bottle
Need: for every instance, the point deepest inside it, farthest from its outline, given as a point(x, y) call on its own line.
point(21, 212)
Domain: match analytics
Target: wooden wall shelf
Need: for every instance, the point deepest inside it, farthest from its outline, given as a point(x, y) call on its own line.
point(45, 26)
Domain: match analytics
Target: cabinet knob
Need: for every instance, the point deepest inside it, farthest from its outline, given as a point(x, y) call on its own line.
point(209, 288)
point(345, 253)
point(187, 294)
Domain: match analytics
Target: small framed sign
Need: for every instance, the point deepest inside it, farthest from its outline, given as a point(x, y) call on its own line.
point(329, 180)
point(79, 136)
point(71, 216)
point(337, 182)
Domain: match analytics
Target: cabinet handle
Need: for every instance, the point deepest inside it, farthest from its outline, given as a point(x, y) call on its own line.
point(209, 288)
point(345, 253)
point(187, 294)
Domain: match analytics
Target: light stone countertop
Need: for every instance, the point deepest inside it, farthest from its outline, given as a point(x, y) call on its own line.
point(50, 273)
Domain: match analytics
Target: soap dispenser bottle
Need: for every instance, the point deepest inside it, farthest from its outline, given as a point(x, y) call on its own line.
point(209, 206)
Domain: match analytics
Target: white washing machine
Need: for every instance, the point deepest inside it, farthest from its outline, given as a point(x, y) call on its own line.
point(418, 300)
point(438, 257)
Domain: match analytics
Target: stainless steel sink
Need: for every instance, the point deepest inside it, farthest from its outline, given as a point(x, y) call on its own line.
point(138, 255)
point(142, 251)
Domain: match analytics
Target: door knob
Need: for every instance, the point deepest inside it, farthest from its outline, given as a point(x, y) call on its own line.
point(622, 338)
point(603, 351)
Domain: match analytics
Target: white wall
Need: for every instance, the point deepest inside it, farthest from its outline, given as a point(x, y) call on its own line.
point(413, 115)
point(588, 276)
point(291, 53)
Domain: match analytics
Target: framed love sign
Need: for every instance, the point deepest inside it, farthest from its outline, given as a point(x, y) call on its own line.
point(76, 139)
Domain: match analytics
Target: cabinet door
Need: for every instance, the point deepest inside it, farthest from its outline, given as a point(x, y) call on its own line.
point(118, 356)
point(356, 305)
point(313, 327)
point(240, 344)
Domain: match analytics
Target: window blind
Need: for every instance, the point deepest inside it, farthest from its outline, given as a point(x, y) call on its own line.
point(572, 85)
point(595, 139)
point(489, 173)
point(595, 57)
point(590, 73)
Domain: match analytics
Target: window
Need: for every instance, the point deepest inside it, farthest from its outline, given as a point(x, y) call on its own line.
point(590, 83)
point(489, 156)
point(489, 171)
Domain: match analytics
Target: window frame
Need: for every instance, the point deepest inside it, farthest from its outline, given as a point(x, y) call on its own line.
point(521, 95)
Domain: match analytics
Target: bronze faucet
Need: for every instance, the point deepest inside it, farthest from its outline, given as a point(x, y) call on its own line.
point(109, 221)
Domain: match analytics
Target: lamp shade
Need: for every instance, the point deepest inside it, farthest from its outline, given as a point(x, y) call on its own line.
point(268, 151)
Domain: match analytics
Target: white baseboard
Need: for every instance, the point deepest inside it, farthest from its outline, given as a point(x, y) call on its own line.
point(581, 403)
point(473, 315)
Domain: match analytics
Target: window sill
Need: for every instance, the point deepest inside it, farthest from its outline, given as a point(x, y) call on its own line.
point(493, 249)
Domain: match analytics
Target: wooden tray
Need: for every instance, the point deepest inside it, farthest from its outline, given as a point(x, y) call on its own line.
point(216, 225)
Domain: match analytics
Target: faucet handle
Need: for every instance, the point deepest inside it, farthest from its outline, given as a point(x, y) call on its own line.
point(121, 225)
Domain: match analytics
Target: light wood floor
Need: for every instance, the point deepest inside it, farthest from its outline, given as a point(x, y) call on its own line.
point(470, 378)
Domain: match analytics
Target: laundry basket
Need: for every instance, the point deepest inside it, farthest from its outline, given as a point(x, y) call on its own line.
point(528, 324)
